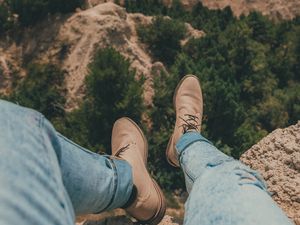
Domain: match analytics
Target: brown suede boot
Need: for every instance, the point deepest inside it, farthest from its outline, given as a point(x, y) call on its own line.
point(188, 104)
point(130, 144)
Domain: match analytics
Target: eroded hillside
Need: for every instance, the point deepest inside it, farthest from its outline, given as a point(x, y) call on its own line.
point(71, 43)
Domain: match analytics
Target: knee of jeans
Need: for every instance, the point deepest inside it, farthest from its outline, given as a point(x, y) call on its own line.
point(248, 176)
point(12, 112)
point(219, 161)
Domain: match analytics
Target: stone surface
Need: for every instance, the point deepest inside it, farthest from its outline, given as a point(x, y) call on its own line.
point(277, 158)
point(123, 220)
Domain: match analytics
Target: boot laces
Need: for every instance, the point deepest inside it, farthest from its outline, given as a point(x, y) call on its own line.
point(122, 150)
point(190, 123)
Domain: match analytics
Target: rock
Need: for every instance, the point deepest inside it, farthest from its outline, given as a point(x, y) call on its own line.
point(296, 161)
point(119, 220)
point(191, 33)
point(93, 3)
point(282, 173)
point(123, 220)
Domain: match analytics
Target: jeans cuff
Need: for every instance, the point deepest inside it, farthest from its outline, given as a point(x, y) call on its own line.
point(187, 139)
point(123, 184)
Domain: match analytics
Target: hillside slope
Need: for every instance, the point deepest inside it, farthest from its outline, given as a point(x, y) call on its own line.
point(71, 43)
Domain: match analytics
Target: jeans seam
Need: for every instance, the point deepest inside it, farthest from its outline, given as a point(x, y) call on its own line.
point(115, 184)
point(42, 138)
point(187, 171)
point(41, 126)
point(192, 178)
point(189, 144)
point(76, 145)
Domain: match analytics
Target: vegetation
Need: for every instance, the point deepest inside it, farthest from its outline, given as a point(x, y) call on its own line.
point(111, 92)
point(147, 7)
point(31, 11)
point(249, 72)
point(163, 38)
point(5, 22)
point(163, 118)
point(43, 90)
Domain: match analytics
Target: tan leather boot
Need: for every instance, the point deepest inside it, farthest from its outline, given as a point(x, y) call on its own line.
point(188, 104)
point(130, 144)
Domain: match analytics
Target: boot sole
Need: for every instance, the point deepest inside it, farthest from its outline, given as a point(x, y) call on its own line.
point(157, 218)
point(169, 149)
point(169, 152)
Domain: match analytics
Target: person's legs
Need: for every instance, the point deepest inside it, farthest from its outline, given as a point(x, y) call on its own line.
point(42, 173)
point(223, 190)
point(95, 183)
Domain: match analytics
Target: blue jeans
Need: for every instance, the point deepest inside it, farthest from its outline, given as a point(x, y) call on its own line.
point(223, 191)
point(47, 179)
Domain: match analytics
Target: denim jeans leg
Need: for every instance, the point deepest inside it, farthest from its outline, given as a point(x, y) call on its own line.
point(32, 191)
point(95, 183)
point(45, 177)
point(223, 191)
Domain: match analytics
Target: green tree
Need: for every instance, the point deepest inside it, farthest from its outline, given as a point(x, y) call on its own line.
point(261, 27)
point(42, 89)
point(111, 92)
point(32, 11)
point(29, 11)
point(5, 15)
point(163, 37)
point(163, 118)
point(147, 7)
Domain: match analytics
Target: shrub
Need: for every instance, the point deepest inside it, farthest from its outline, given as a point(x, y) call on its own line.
point(64, 6)
point(111, 92)
point(163, 37)
point(147, 7)
point(32, 11)
point(42, 89)
point(163, 119)
point(5, 22)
